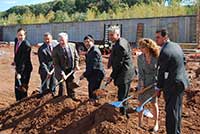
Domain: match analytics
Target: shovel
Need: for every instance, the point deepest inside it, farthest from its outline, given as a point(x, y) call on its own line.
point(50, 73)
point(147, 113)
point(103, 85)
point(145, 89)
point(45, 66)
point(140, 108)
point(63, 79)
point(119, 104)
point(19, 82)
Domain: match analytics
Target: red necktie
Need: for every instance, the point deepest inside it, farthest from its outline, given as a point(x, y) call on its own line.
point(17, 47)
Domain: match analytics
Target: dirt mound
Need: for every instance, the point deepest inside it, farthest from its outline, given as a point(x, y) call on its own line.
point(59, 115)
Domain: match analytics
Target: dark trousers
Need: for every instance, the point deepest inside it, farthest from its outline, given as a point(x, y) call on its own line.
point(173, 110)
point(123, 90)
point(24, 81)
point(50, 83)
point(94, 84)
point(69, 86)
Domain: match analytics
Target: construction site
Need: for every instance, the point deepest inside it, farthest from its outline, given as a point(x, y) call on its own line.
point(62, 114)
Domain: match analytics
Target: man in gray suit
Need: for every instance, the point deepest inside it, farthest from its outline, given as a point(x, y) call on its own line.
point(122, 65)
point(66, 59)
point(172, 79)
point(46, 68)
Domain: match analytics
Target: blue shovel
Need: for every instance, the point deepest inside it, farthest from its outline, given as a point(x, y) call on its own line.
point(119, 104)
point(146, 112)
point(140, 108)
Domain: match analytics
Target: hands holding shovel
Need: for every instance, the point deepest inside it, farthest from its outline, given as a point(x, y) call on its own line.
point(21, 87)
point(18, 76)
point(49, 74)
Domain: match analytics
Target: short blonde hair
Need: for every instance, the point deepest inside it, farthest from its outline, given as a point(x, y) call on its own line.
point(151, 45)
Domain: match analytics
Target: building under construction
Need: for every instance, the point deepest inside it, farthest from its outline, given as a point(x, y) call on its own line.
point(182, 29)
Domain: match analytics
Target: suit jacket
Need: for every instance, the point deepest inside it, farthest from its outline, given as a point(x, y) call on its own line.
point(61, 61)
point(121, 61)
point(146, 72)
point(171, 68)
point(94, 65)
point(45, 56)
point(22, 57)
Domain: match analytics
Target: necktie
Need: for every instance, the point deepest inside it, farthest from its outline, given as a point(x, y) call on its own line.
point(17, 47)
point(67, 52)
point(51, 49)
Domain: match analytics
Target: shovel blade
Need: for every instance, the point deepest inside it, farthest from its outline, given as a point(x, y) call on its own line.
point(139, 109)
point(147, 113)
point(117, 104)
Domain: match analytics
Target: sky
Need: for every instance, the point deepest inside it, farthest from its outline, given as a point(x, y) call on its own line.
point(6, 4)
point(183, 2)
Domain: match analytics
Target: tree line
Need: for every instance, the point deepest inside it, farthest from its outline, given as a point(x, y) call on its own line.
point(79, 10)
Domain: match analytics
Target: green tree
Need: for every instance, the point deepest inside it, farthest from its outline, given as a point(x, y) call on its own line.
point(61, 16)
point(78, 16)
point(50, 16)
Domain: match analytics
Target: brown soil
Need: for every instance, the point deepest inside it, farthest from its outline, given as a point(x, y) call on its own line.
point(63, 115)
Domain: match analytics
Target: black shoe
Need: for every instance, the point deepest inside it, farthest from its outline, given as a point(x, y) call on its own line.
point(46, 91)
point(122, 110)
point(40, 95)
point(53, 94)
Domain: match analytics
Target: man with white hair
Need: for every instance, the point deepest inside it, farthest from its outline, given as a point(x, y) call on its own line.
point(122, 66)
point(65, 58)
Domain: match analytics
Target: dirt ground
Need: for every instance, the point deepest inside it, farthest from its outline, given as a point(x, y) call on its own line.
point(63, 115)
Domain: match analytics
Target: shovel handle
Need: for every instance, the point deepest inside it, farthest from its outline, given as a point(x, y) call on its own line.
point(45, 67)
point(19, 81)
point(64, 79)
point(148, 100)
point(127, 99)
point(145, 89)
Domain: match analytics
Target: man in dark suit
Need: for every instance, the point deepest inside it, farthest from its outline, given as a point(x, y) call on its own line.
point(94, 67)
point(122, 65)
point(172, 79)
point(46, 68)
point(22, 62)
point(66, 59)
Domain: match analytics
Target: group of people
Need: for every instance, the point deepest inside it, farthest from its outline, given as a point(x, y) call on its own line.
point(161, 69)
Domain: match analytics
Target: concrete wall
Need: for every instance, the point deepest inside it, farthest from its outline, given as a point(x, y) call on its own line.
point(181, 29)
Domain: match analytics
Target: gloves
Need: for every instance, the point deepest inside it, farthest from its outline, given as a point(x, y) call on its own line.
point(18, 76)
point(77, 68)
point(63, 75)
point(51, 72)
